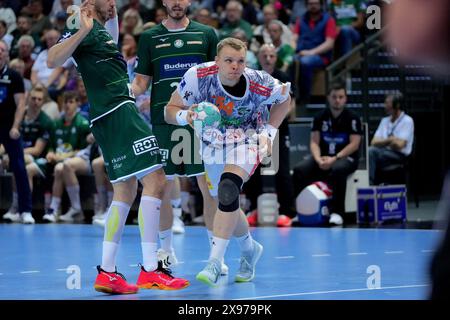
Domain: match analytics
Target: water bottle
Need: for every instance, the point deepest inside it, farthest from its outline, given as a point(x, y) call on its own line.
point(268, 209)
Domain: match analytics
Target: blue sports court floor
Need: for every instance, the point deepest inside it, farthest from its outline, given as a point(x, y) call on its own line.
point(297, 263)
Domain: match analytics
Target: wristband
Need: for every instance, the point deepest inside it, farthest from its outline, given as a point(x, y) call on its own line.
point(182, 117)
point(270, 132)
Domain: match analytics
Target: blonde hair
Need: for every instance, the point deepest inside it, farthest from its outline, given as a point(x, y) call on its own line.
point(138, 28)
point(234, 43)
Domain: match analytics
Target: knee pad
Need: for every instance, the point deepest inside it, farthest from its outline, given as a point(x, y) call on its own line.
point(229, 190)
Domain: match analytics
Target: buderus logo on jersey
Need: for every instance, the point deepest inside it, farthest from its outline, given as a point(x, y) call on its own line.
point(144, 145)
point(174, 68)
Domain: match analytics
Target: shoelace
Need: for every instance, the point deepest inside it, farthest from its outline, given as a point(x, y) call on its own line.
point(166, 271)
point(115, 272)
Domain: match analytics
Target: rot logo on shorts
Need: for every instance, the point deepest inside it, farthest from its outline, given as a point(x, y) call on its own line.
point(145, 145)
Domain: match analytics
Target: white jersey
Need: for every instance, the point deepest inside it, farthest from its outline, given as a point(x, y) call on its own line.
point(239, 114)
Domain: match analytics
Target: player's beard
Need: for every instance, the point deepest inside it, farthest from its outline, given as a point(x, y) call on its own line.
point(177, 15)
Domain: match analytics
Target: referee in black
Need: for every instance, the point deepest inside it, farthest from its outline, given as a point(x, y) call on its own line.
point(12, 109)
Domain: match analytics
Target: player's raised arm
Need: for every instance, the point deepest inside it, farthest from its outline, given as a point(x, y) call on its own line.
point(59, 53)
point(279, 111)
point(176, 112)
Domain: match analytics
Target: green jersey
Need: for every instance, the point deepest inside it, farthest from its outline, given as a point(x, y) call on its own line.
point(346, 11)
point(40, 128)
point(103, 69)
point(166, 55)
point(69, 137)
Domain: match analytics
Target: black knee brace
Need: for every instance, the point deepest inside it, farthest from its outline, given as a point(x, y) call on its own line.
point(229, 189)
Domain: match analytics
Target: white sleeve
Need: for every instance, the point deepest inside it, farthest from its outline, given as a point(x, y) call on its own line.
point(379, 133)
point(280, 92)
point(112, 26)
point(405, 130)
point(188, 87)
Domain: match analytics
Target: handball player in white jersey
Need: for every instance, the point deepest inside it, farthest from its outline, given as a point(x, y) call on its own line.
point(252, 105)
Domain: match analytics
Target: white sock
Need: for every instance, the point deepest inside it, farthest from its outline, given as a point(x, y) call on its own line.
point(74, 196)
point(150, 260)
point(210, 237)
point(149, 211)
point(165, 238)
point(219, 246)
point(176, 203)
point(55, 204)
point(245, 242)
point(109, 254)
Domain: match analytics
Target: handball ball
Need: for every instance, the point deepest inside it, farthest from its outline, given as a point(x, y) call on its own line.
point(208, 114)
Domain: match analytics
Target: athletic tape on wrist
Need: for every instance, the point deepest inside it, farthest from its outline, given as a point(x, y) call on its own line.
point(182, 117)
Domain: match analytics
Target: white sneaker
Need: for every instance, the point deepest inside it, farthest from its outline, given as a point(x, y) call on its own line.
point(248, 262)
point(336, 219)
point(100, 222)
point(27, 218)
point(168, 259)
point(178, 225)
point(98, 215)
point(50, 216)
point(12, 217)
point(224, 269)
point(73, 215)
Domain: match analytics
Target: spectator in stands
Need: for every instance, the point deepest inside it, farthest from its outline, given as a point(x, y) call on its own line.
point(349, 16)
point(131, 23)
point(4, 35)
point(8, 16)
point(335, 140)
point(285, 52)
point(12, 109)
point(160, 15)
point(40, 22)
point(41, 73)
point(261, 33)
point(204, 16)
point(267, 57)
point(82, 94)
point(251, 59)
point(26, 46)
point(233, 21)
point(24, 24)
point(145, 13)
point(36, 131)
point(60, 21)
point(50, 107)
point(393, 140)
point(316, 36)
point(70, 137)
point(60, 7)
point(19, 66)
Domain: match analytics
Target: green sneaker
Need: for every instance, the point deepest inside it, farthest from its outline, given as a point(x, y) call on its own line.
point(247, 263)
point(211, 273)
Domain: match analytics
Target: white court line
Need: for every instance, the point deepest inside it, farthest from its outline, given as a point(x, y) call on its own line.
point(357, 253)
point(321, 255)
point(285, 257)
point(62, 269)
point(426, 251)
point(332, 291)
point(31, 271)
point(204, 260)
point(132, 265)
point(393, 252)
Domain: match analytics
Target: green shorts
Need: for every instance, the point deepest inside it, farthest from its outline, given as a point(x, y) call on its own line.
point(179, 148)
point(128, 144)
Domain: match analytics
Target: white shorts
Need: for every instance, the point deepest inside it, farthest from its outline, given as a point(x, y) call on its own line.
point(244, 156)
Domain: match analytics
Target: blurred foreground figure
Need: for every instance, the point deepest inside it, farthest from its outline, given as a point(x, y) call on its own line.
point(427, 41)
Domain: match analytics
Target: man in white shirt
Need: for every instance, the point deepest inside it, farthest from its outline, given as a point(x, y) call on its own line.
point(393, 140)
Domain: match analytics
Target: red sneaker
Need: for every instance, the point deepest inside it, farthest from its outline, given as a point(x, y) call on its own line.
point(252, 218)
point(113, 282)
point(160, 278)
point(284, 221)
